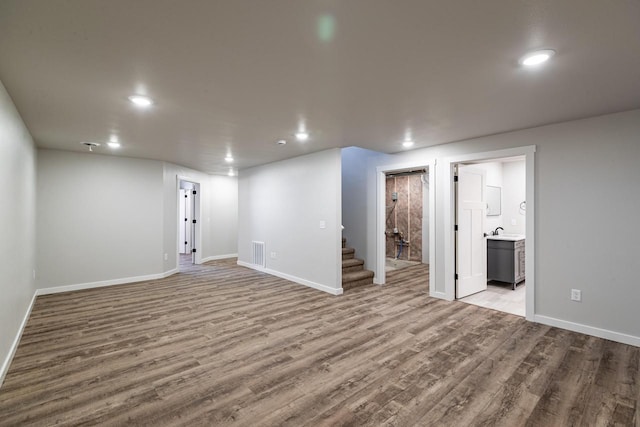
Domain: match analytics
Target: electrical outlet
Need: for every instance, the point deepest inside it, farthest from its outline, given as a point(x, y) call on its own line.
point(274, 255)
point(576, 295)
point(513, 221)
point(166, 257)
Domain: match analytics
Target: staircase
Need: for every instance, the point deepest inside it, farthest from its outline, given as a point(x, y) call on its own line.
point(353, 272)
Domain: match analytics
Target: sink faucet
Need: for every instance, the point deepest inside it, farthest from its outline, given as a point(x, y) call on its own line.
point(496, 232)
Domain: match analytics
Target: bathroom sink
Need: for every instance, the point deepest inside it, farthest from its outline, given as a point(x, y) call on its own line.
point(507, 236)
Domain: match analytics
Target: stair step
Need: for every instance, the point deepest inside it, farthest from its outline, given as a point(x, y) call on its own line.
point(348, 253)
point(352, 264)
point(357, 278)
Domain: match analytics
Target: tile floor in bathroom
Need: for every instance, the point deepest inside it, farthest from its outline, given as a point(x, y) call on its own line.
point(499, 296)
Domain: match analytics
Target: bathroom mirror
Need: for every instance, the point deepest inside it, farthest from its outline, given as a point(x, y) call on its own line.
point(494, 196)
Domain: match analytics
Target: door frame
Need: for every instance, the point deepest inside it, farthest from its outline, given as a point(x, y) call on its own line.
point(448, 198)
point(381, 171)
point(197, 238)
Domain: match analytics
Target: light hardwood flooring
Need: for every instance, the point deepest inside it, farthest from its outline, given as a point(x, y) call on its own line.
point(220, 344)
point(392, 264)
point(500, 297)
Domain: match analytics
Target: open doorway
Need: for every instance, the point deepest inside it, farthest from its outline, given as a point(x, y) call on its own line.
point(399, 244)
point(490, 233)
point(188, 223)
point(406, 219)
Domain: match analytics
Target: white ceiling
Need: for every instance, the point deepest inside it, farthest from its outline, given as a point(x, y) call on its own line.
point(238, 75)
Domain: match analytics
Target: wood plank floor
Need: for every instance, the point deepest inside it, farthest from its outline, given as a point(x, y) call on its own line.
point(220, 344)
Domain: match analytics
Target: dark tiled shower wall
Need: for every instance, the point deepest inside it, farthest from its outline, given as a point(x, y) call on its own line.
point(407, 216)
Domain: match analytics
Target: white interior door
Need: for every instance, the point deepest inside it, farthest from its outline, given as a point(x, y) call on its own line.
point(471, 246)
point(184, 221)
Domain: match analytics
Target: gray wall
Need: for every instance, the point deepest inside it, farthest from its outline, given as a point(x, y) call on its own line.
point(282, 204)
point(586, 219)
point(103, 218)
point(99, 218)
point(17, 223)
point(356, 198)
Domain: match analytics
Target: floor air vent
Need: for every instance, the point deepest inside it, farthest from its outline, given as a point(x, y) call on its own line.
point(257, 254)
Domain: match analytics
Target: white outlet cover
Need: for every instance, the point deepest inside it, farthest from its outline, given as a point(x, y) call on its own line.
point(576, 295)
point(323, 224)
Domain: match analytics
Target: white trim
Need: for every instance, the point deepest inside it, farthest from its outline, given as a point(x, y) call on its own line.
point(216, 257)
point(589, 330)
point(102, 283)
point(449, 210)
point(380, 274)
point(16, 341)
point(318, 286)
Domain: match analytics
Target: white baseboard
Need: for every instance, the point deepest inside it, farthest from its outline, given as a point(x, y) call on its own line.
point(216, 257)
point(14, 345)
point(112, 282)
point(318, 286)
point(440, 295)
point(589, 330)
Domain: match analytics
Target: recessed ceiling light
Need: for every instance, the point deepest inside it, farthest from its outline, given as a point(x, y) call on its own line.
point(282, 142)
point(407, 144)
point(231, 172)
point(113, 144)
point(302, 136)
point(537, 57)
point(141, 101)
point(229, 158)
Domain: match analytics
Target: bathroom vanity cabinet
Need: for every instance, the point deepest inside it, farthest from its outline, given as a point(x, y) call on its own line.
point(505, 259)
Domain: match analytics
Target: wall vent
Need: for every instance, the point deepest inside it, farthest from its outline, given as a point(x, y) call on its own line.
point(258, 255)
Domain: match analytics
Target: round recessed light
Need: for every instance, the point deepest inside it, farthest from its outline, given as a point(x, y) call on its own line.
point(302, 136)
point(407, 144)
point(141, 101)
point(229, 158)
point(231, 172)
point(282, 142)
point(536, 58)
point(113, 144)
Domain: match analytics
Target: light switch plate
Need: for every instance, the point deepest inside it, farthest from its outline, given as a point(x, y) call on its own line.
point(323, 224)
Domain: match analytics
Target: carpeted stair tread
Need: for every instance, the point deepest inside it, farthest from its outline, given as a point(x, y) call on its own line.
point(348, 253)
point(357, 275)
point(352, 262)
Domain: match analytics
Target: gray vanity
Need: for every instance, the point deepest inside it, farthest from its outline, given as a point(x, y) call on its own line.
point(505, 258)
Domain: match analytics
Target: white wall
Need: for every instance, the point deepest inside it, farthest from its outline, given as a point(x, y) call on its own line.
point(356, 198)
point(17, 224)
point(585, 171)
point(282, 205)
point(513, 194)
point(99, 218)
